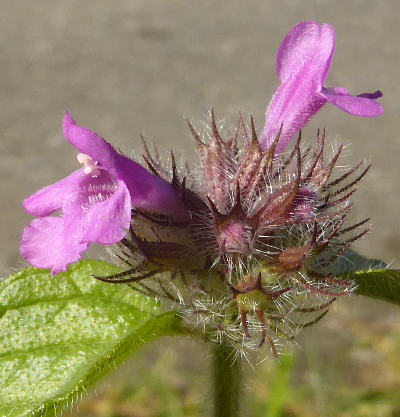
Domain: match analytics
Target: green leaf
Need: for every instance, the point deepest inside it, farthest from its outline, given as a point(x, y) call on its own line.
point(383, 284)
point(372, 276)
point(59, 335)
point(351, 261)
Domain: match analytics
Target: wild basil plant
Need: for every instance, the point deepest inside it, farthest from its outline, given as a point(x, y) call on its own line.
point(242, 251)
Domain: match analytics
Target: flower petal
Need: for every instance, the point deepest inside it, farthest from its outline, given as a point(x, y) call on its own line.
point(50, 199)
point(364, 105)
point(372, 96)
point(147, 191)
point(307, 42)
point(107, 222)
point(292, 106)
point(303, 63)
point(45, 244)
point(89, 143)
point(92, 190)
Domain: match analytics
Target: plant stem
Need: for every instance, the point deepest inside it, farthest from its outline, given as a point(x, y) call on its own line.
point(227, 376)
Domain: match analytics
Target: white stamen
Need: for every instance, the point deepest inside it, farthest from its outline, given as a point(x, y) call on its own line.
point(89, 165)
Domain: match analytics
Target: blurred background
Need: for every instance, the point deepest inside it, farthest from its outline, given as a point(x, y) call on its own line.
point(128, 66)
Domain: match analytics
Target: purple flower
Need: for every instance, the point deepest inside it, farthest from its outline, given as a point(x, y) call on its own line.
point(302, 64)
point(95, 203)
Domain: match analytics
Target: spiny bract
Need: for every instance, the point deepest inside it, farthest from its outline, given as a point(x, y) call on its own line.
point(250, 265)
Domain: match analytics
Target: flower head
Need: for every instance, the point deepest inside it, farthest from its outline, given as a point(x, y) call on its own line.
point(95, 202)
point(302, 65)
point(240, 245)
point(249, 264)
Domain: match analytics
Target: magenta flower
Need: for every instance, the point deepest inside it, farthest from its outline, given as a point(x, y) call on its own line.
point(95, 203)
point(302, 64)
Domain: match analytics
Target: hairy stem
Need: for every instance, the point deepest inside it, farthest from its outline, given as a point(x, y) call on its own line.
point(227, 376)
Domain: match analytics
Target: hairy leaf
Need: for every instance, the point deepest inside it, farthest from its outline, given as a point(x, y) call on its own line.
point(351, 261)
point(373, 278)
point(58, 335)
point(383, 284)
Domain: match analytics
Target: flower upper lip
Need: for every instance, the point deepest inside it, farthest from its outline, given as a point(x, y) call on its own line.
point(302, 63)
point(147, 191)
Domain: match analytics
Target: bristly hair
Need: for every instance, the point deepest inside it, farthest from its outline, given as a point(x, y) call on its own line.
point(251, 265)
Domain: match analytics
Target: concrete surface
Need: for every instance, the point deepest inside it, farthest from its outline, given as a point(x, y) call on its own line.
point(129, 66)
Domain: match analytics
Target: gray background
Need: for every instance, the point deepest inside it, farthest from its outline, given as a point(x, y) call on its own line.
point(123, 67)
